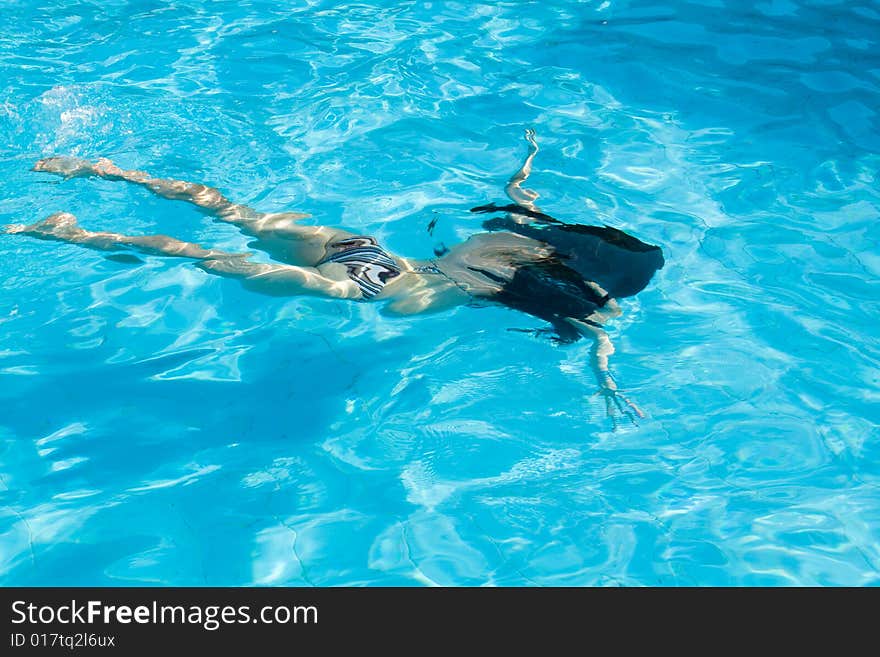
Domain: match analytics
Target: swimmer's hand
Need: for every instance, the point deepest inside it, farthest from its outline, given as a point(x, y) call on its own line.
point(616, 403)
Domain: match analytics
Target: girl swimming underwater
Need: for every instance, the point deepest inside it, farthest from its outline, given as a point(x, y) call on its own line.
point(569, 275)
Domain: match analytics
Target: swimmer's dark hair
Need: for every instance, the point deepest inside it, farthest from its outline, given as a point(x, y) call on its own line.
point(555, 288)
point(549, 290)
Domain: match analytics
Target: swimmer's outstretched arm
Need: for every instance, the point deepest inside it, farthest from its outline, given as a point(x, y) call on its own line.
point(523, 209)
point(272, 279)
point(603, 348)
point(514, 190)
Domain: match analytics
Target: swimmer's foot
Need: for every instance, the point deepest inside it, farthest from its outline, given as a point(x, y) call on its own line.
point(68, 167)
point(58, 226)
point(73, 167)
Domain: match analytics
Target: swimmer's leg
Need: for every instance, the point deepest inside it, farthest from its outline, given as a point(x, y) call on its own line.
point(63, 227)
point(278, 233)
point(279, 280)
point(514, 189)
point(207, 198)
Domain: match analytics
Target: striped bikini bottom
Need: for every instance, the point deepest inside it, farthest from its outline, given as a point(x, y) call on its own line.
point(368, 264)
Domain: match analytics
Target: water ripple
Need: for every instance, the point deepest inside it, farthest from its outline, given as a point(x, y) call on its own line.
point(151, 409)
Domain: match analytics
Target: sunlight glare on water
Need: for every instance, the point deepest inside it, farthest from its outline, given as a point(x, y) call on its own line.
point(163, 426)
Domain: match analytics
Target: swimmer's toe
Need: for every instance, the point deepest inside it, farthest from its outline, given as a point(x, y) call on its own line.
point(11, 229)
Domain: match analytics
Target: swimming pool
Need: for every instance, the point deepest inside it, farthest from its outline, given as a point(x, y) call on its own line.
point(162, 426)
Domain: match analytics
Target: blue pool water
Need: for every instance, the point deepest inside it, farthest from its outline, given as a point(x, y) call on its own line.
point(163, 426)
